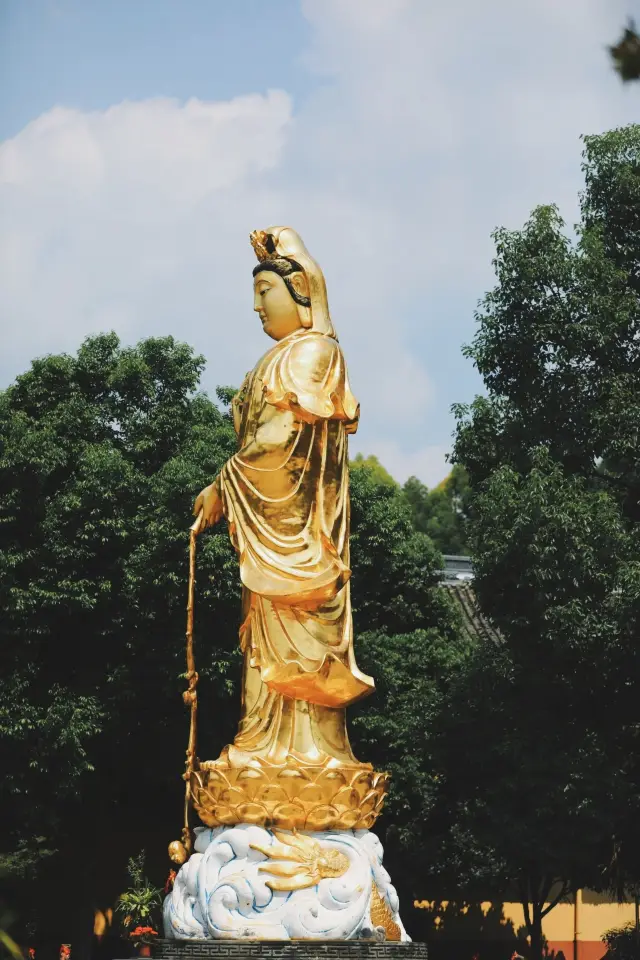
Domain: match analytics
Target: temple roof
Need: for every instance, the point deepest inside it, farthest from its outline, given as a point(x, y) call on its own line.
point(456, 569)
point(457, 576)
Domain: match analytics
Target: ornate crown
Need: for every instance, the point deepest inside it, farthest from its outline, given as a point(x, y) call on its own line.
point(261, 241)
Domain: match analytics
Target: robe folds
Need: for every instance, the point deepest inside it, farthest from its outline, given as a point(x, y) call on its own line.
point(285, 495)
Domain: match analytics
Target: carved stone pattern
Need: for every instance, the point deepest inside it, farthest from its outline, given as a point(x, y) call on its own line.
point(296, 950)
point(291, 798)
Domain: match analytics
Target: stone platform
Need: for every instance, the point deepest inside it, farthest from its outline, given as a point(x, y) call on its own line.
point(287, 950)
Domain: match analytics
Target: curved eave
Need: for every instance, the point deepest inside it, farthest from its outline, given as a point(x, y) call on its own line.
point(475, 624)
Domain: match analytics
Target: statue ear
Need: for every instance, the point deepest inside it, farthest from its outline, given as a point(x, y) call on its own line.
point(299, 286)
point(299, 283)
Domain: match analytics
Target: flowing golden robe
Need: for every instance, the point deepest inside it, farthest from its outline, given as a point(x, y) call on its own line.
point(286, 498)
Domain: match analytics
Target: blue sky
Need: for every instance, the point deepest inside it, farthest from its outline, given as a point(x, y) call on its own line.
point(90, 54)
point(142, 141)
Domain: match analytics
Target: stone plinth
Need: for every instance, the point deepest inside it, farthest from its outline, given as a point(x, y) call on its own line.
point(286, 950)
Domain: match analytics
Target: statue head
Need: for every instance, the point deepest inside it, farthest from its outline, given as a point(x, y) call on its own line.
point(281, 296)
point(289, 286)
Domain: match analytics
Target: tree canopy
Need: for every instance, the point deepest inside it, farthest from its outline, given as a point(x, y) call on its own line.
point(443, 512)
point(625, 54)
point(374, 467)
point(101, 454)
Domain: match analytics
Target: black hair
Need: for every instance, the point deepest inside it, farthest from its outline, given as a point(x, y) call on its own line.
point(284, 267)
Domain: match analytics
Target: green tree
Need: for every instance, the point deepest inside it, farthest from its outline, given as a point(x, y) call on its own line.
point(552, 457)
point(442, 513)
point(626, 54)
point(395, 568)
point(533, 785)
point(373, 465)
point(101, 455)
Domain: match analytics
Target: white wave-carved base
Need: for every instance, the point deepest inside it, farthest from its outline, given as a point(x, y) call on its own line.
point(247, 882)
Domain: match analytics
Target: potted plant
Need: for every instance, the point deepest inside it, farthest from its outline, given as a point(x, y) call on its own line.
point(139, 907)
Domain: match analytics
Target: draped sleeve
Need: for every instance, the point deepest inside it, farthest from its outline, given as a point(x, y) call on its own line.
point(285, 493)
point(310, 378)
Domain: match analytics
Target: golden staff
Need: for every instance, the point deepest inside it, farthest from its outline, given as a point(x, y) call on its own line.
point(180, 850)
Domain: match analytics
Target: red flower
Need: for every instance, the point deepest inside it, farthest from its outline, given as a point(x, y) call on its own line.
point(170, 881)
point(65, 951)
point(142, 932)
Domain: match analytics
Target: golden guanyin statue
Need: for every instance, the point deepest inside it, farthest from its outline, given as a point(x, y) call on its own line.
point(285, 495)
point(289, 855)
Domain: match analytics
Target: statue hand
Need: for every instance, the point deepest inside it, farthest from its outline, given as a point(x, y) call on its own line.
point(210, 502)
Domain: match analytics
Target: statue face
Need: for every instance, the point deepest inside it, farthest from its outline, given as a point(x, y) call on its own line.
point(275, 306)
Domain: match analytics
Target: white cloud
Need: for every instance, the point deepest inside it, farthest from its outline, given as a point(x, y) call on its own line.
point(128, 217)
point(429, 125)
point(186, 151)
